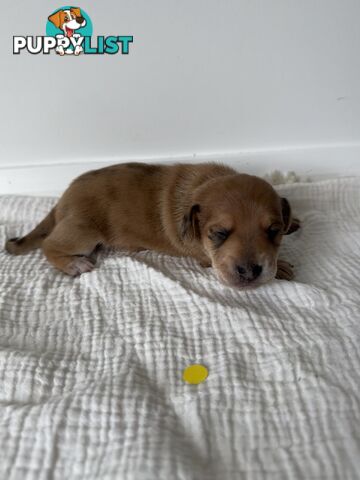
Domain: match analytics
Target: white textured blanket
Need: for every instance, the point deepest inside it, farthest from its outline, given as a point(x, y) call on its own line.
point(91, 368)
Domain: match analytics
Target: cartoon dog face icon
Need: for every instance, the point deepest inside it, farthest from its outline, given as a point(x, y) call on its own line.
point(68, 20)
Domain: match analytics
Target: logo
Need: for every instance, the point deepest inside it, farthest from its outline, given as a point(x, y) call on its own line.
point(69, 32)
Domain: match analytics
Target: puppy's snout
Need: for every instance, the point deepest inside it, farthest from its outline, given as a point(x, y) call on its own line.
point(249, 272)
point(80, 19)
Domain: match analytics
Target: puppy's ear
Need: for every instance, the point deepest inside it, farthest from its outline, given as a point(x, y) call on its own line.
point(76, 11)
point(189, 227)
point(291, 224)
point(55, 18)
point(286, 215)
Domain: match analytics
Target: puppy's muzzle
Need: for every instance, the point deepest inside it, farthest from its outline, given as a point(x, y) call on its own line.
point(248, 272)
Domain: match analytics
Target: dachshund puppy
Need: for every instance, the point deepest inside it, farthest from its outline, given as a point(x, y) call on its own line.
point(233, 222)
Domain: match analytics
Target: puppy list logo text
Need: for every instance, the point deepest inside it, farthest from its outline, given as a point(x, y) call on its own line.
point(69, 32)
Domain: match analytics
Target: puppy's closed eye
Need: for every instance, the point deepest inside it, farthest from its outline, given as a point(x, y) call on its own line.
point(273, 231)
point(218, 236)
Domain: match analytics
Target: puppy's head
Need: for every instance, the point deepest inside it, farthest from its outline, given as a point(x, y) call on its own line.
point(240, 221)
point(68, 20)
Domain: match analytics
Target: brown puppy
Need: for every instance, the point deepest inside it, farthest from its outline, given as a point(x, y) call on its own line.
point(233, 222)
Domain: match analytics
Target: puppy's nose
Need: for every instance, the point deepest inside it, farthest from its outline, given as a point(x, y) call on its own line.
point(80, 19)
point(249, 272)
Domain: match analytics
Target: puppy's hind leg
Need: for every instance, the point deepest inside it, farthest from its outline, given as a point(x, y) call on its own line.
point(70, 246)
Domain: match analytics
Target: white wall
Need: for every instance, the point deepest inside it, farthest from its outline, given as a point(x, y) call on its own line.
point(204, 77)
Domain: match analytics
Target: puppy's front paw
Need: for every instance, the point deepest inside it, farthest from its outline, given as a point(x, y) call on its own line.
point(79, 265)
point(78, 49)
point(284, 270)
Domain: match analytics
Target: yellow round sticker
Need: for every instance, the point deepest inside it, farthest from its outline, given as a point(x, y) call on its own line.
point(195, 374)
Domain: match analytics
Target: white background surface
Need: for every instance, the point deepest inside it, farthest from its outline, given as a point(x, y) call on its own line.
point(91, 367)
point(206, 78)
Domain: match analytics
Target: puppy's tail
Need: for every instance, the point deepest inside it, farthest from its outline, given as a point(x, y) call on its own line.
point(34, 239)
